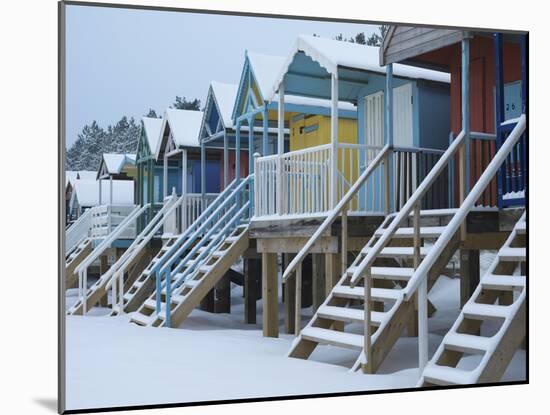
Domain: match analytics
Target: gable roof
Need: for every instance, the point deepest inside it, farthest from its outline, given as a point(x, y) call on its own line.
point(265, 69)
point(151, 128)
point(87, 174)
point(184, 126)
point(87, 192)
point(332, 54)
point(115, 163)
point(224, 96)
point(70, 176)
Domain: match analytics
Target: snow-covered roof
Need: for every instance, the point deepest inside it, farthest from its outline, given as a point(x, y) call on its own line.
point(184, 125)
point(266, 68)
point(70, 176)
point(114, 163)
point(87, 174)
point(331, 54)
point(87, 192)
point(225, 94)
point(152, 127)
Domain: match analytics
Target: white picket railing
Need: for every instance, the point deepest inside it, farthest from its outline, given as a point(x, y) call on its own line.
point(192, 207)
point(304, 179)
point(106, 218)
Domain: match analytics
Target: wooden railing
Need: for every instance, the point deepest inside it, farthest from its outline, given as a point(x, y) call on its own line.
point(106, 218)
point(411, 166)
point(78, 231)
point(193, 206)
point(341, 210)
point(298, 182)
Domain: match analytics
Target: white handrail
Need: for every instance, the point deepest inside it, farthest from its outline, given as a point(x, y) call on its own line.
point(110, 238)
point(334, 213)
point(407, 208)
point(465, 207)
point(143, 238)
point(78, 231)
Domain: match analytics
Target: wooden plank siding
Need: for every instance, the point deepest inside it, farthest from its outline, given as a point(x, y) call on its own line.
point(404, 42)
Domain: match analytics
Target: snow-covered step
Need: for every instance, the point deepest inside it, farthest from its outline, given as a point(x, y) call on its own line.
point(425, 232)
point(512, 254)
point(358, 293)
point(141, 318)
point(503, 282)
point(521, 228)
point(445, 375)
point(485, 311)
point(191, 283)
point(351, 315)
point(231, 239)
point(399, 251)
point(128, 296)
point(466, 343)
point(152, 304)
point(332, 337)
point(387, 273)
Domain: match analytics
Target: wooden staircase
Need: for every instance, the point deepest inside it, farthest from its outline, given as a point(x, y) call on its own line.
point(138, 291)
point(99, 290)
point(188, 293)
point(73, 259)
point(491, 325)
point(340, 320)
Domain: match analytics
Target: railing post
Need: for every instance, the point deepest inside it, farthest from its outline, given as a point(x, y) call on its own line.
point(367, 366)
point(167, 322)
point(344, 238)
point(387, 190)
point(298, 301)
point(280, 146)
point(157, 291)
point(333, 140)
point(85, 291)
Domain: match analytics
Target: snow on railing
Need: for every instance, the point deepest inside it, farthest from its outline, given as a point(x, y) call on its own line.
point(303, 177)
point(105, 218)
point(118, 232)
point(118, 269)
point(340, 210)
point(215, 223)
point(78, 231)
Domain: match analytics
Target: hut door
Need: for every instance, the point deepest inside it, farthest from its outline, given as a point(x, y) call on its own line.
point(403, 116)
point(374, 120)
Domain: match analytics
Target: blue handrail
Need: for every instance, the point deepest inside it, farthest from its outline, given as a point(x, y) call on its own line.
point(225, 231)
point(216, 218)
point(204, 215)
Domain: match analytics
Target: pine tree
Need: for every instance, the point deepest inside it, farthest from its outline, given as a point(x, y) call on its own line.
point(181, 103)
point(152, 114)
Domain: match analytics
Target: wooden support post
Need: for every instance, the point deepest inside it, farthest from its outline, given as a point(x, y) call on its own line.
point(103, 268)
point(222, 295)
point(318, 280)
point(207, 303)
point(298, 300)
point(252, 288)
point(289, 298)
point(270, 296)
point(469, 273)
point(344, 239)
point(332, 271)
point(368, 366)
point(412, 327)
point(389, 135)
point(332, 275)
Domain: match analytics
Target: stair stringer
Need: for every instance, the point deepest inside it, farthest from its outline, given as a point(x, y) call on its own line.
point(74, 258)
point(98, 291)
point(508, 338)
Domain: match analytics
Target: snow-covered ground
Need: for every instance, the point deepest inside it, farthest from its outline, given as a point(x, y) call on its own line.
point(216, 356)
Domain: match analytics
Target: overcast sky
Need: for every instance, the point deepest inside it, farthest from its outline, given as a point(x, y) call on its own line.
point(123, 62)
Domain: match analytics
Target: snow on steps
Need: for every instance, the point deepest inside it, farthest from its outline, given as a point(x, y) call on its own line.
point(425, 232)
point(334, 338)
point(198, 283)
point(496, 351)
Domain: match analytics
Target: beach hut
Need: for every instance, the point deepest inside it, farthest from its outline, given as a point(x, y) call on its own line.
point(121, 167)
point(86, 194)
point(179, 150)
point(304, 121)
point(493, 64)
point(343, 72)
